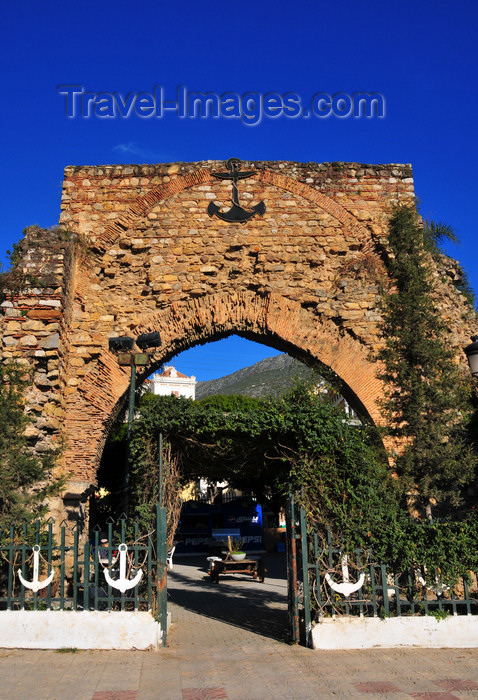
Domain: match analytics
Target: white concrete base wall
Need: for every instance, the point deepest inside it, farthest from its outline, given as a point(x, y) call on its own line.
point(460, 631)
point(57, 629)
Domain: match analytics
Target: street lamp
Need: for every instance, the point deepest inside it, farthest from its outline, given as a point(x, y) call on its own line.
point(471, 352)
point(123, 347)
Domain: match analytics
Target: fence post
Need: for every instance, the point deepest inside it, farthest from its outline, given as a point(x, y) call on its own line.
point(161, 550)
point(23, 567)
point(62, 566)
point(10, 568)
point(386, 606)
point(75, 569)
point(292, 595)
point(305, 577)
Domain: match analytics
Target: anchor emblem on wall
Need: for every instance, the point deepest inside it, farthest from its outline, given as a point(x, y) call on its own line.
point(236, 214)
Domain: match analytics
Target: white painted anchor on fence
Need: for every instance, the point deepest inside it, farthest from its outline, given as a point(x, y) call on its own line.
point(346, 588)
point(36, 585)
point(123, 583)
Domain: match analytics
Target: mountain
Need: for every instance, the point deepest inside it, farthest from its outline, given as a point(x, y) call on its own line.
point(270, 376)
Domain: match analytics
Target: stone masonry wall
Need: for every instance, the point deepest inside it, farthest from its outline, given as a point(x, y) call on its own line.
point(35, 314)
point(303, 279)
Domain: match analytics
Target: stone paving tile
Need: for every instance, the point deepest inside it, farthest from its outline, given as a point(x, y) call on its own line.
point(376, 687)
point(210, 693)
point(434, 695)
point(115, 695)
point(452, 684)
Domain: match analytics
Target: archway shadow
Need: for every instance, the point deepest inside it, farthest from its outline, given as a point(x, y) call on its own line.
point(237, 600)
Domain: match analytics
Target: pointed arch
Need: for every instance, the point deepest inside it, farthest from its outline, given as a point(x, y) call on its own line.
point(271, 319)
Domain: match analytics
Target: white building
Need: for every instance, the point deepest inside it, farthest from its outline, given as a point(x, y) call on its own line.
point(170, 381)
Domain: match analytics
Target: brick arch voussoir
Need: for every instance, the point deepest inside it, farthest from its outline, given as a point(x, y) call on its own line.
point(143, 204)
point(316, 197)
point(146, 202)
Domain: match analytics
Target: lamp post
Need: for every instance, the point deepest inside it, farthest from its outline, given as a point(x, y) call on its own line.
point(123, 347)
point(471, 351)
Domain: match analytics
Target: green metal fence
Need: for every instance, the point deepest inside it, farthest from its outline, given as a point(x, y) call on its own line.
point(327, 582)
point(47, 568)
point(358, 584)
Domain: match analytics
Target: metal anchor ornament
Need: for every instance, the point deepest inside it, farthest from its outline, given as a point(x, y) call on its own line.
point(236, 214)
point(36, 585)
point(123, 583)
point(346, 588)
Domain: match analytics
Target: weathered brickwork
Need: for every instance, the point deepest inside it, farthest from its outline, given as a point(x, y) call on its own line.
point(303, 279)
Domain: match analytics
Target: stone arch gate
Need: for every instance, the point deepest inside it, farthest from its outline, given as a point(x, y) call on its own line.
point(147, 256)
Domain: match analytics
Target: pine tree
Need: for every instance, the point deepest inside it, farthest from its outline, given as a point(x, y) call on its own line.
point(427, 402)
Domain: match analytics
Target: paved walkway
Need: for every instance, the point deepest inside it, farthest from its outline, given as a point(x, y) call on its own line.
point(226, 642)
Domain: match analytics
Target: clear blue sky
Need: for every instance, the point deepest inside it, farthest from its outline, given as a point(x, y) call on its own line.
point(422, 56)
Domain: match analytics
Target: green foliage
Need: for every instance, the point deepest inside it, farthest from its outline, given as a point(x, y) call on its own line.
point(24, 476)
point(438, 614)
point(340, 472)
point(208, 441)
point(428, 396)
point(435, 233)
point(297, 442)
point(14, 254)
point(235, 545)
point(446, 549)
point(229, 403)
point(301, 443)
point(464, 286)
point(144, 491)
point(449, 548)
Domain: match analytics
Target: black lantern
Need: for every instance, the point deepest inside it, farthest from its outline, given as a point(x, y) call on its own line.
point(122, 343)
point(148, 340)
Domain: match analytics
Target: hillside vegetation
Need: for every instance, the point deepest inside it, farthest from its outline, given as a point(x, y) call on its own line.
point(269, 377)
